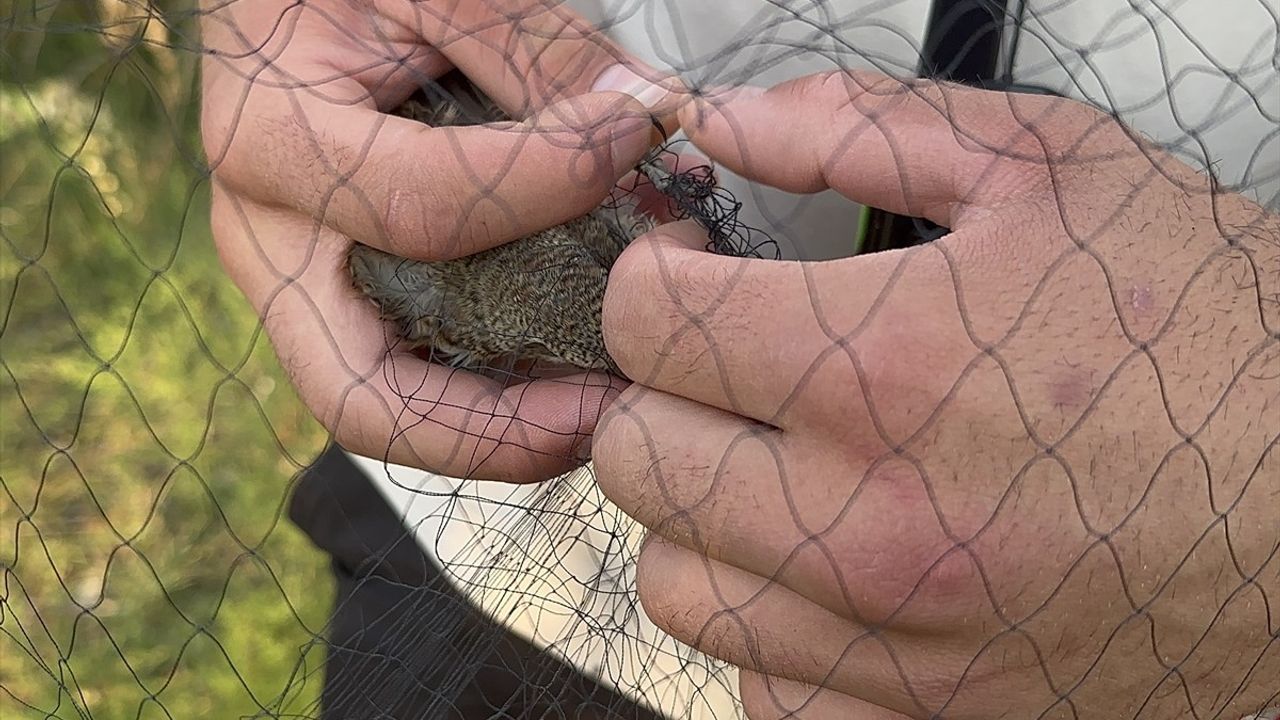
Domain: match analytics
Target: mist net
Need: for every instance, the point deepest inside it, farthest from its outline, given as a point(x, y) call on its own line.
point(254, 275)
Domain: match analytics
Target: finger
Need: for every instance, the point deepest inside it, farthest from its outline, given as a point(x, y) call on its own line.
point(758, 337)
point(766, 697)
point(528, 54)
point(686, 490)
point(433, 193)
point(679, 319)
point(312, 47)
point(845, 527)
point(917, 147)
point(378, 400)
point(763, 627)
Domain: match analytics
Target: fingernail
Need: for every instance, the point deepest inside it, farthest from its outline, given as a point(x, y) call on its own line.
point(632, 136)
point(622, 79)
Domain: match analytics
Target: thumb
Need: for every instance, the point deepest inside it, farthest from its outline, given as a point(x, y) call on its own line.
point(913, 147)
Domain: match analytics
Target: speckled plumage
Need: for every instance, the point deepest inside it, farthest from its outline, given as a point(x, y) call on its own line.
point(537, 298)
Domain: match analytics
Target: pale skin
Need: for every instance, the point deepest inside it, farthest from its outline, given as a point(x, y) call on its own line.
point(1027, 470)
point(306, 160)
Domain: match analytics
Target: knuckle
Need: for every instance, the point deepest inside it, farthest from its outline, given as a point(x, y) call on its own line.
point(405, 207)
point(347, 433)
point(420, 219)
point(769, 697)
point(835, 88)
point(907, 570)
point(665, 597)
point(215, 124)
point(615, 448)
point(820, 88)
point(630, 465)
point(1044, 138)
point(581, 131)
point(666, 299)
point(837, 91)
point(241, 137)
point(757, 700)
point(351, 412)
point(437, 215)
point(227, 237)
point(212, 139)
point(677, 596)
point(219, 215)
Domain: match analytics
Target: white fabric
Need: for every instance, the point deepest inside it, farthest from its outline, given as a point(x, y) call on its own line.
point(1165, 69)
point(1165, 82)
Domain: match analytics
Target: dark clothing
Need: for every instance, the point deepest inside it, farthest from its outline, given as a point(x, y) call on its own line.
point(403, 642)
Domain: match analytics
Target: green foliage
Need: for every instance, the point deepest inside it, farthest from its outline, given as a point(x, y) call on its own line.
point(147, 434)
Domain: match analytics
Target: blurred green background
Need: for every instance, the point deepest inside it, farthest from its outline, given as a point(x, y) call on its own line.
point(148, 438)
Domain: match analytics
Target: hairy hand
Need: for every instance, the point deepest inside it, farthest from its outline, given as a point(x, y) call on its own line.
point(306, 159)
point(1027, 470)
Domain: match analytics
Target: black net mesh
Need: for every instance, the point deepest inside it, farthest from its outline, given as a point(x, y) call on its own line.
point(947, 499)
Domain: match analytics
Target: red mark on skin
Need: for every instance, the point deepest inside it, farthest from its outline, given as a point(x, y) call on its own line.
point(1140, 300)
point(1072, 389)
point(1142, 303)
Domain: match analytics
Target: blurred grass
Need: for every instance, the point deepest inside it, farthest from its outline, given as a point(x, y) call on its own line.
point(147, 435)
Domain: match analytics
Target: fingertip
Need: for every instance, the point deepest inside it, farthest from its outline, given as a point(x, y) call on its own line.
point(635, 266)
point(613, 121)
point(557, 417)
point(661, 96)
point(755, 133)
point(595, 405)
point(636, 281)
point(678, 235)
point(635, 133)
point(709, 107)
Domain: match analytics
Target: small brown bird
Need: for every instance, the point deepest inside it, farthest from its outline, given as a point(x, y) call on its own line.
point(538, 298)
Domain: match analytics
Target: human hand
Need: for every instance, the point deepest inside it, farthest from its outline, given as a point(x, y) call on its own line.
point(306, 159)
point(1027, 470)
